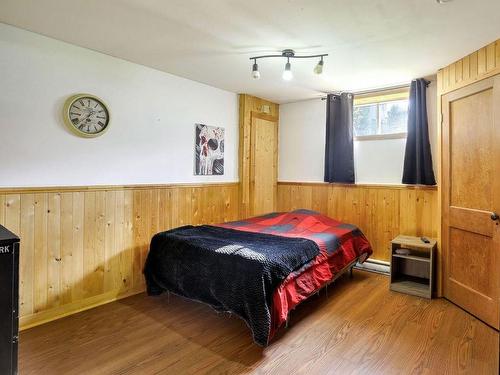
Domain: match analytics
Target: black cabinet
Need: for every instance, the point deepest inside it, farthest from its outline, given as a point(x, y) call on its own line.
point(9, 301)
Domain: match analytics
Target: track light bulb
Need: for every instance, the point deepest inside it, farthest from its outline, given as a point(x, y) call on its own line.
point(255, 71)
point(318, 69)
point(287, 73)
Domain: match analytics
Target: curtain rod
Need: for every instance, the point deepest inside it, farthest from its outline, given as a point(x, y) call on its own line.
point(363, 92)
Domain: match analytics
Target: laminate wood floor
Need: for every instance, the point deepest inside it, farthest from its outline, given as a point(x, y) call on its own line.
point(359, 328)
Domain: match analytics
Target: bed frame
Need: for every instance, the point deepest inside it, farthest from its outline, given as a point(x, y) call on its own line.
point(349, 267)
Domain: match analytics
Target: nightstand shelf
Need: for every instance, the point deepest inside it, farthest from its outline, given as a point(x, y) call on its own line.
point(412, 257)
point(413, 273)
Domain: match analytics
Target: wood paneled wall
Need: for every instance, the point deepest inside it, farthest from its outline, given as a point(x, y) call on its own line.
point(480, 64)
point(381, 212)
point(81, 247)
point(250, 104)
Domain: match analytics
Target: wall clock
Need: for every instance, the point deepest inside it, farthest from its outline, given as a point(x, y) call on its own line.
point(86, 115)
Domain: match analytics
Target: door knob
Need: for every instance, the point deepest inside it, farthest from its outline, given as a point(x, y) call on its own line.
point(494, 216)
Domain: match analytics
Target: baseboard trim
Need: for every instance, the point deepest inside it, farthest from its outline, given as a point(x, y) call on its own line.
point(373, 265)
point(36, 319)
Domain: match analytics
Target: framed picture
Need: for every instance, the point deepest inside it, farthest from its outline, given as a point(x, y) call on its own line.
point(209, 150)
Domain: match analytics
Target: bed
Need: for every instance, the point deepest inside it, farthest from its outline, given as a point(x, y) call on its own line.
point(260, 268)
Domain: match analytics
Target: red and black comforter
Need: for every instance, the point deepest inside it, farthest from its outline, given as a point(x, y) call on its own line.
point(251, 267)
point(339, 243)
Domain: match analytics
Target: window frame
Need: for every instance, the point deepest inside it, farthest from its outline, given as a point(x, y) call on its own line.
point(378, 98)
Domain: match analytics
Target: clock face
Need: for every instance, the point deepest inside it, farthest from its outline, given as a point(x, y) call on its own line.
point(87, 115)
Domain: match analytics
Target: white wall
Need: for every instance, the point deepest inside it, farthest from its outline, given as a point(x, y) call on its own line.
point(302, 141)
point(302, 145)
point(379, 162)
point(151, 135)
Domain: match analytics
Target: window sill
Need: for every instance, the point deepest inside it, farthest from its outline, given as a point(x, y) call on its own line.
point(379, 137)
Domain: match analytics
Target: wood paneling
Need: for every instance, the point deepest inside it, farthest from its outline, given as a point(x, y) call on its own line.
point(84, 246)
point(381, 212)
point(478, 65)
point(250, 104)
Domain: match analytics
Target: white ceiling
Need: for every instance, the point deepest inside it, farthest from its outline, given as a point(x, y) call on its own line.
point(372, 43)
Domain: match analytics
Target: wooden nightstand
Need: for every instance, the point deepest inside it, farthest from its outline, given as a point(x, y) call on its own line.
point(413, 273)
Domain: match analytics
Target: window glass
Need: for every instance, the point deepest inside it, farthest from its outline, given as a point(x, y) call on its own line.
point(365, 119)
point(383, 118)
point(393, 117)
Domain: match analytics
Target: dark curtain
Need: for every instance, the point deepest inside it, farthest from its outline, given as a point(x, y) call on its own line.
point(418, 158)
point(339, 152)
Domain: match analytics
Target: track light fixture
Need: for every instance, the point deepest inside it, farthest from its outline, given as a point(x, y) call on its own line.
point(287, 73)
point(255, 70)
point(288, 54)
point(318, 69)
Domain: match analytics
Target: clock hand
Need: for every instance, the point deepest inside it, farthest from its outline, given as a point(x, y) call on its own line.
point(83, 119)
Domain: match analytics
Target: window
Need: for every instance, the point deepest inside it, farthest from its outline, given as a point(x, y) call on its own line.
point(381, 117)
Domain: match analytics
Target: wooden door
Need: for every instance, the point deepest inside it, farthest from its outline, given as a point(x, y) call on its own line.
point(471, 196)
point(264, 164)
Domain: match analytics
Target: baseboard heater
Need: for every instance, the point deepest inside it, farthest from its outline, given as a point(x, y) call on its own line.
point(374, 265)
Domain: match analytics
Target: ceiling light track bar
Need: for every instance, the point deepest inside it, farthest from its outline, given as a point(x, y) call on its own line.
point(288, 54)
point(290, 57)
